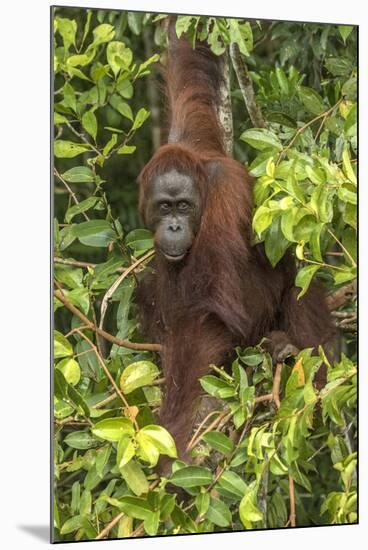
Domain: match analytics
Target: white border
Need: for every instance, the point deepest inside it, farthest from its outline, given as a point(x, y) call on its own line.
point(24, 359)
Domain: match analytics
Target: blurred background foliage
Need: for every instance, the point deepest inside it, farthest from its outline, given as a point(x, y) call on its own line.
point(110, 114)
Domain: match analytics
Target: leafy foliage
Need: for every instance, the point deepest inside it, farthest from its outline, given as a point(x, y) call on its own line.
point(260, 455)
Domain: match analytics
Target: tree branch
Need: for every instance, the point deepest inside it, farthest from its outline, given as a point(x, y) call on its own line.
point(224, 110)
point(339, 297)
point(109, 337)
point(246, 87)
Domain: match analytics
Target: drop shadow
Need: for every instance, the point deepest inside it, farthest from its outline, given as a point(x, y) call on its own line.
point(40, 532)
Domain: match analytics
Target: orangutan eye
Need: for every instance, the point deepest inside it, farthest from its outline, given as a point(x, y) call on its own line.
point(183, 206)
point(164, 207)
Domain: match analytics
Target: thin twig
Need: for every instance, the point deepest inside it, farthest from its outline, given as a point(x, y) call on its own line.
point(77, 263)
point(106, 401)
point(292, 516)
point(342, 247)
point(118, 281)
point(82, 137)
point(70, 191)
point(304, 127)
point(109, 337)
point(276, 385)
point(117, 518)
point(195, 439)
point(109, 376)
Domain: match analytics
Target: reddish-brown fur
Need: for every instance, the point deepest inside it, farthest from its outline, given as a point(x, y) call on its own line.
point(225, 293)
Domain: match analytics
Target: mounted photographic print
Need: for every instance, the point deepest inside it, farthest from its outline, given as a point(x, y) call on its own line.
point(204, 279)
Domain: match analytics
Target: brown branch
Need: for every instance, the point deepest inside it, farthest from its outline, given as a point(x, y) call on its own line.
point(292, 516)
point(224, 109)
point(117, 518)
point(339, 297)
point(74, 263)
point(109, 376)
point(246, 87)
point(108, 527)
point(195, 439)
point(109, 337)
point(82, 137)
point(276, 385)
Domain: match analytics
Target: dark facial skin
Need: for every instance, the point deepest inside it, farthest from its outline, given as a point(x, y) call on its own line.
point(173, 211)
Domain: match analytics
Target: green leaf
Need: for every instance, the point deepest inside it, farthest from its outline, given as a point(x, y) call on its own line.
point(277, 467)
point(140, 118)
point(76, 398)
point(191, 476)
point(135, 507)
point(262, 219)
point(219, 513)
point(282, 80)
point(83, 206)
point(111, 429)
point(261, 139)
point(59, 119)
point(81, 440)
point(126, 149)
point(135, 478)
point(248, 511)
point(79, 174)
point(348, 169)
point(67, 29)
point(304, 278)
point(81, 60)
point(89, 123)
point(160, 438)
point(219, 441)
point(125, 451)
point(339, 66)
point(140, 240)
point(314, 242)
point(216, 387)
point(60, 385)
point(275, 243)
point(345, 31)
point(232, 484)
point(182, 24)
point(102, 34)
point(121, 106)
point(62, 347)
point(102, 458)
point(118, 56)
point(147, 451)
point(69, 96)
point(143, 66)
point(71, 524)
point(347, 195)
point(202, 502)
point(94, 233)
point(288, 223)
point(312, 100)
point(138, 374)
point(135, 22)
point(70, 369)
point(69, 149)
point(110, 144)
